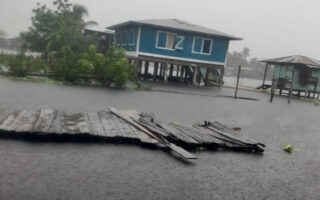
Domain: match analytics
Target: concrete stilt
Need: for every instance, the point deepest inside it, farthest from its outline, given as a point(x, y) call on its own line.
point(146, 69)
point(165, 72)
point(155, 71)
point(195, 74)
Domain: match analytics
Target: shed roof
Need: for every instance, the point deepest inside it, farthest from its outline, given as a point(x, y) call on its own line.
point(178, 25)
point(296, 59)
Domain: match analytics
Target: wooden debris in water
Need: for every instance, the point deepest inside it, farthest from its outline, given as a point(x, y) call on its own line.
point(213, 135)
point(123, 126)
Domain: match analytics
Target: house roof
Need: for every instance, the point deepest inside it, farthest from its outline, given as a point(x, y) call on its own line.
point(297, 59)
point(178, 24)
point(100, 30)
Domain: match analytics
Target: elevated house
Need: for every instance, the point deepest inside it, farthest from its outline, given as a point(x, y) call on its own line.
point(174, 50)
point(295, 74)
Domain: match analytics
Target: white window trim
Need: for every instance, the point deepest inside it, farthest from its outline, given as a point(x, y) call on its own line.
point(138, 40)
point(180, 42)
point(133, 34)
point(202, 43)
point(157, 40)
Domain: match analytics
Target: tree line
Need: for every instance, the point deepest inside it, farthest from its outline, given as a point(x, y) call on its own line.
point(66, 52)
point(255, 69)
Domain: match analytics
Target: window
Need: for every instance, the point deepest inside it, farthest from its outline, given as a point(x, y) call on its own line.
point(169, 41)
point(202, 46)
point(118, 38)
point(124, 38)
point(206, 46)
point(131, 37)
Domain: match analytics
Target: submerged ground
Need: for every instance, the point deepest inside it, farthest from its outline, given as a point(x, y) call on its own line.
point(105, 171)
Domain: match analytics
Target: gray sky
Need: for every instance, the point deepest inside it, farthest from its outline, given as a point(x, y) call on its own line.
point(270, 28)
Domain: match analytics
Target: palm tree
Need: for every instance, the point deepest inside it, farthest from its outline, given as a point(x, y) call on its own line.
point(78, 13)
point(69, 26)
point(245, 52)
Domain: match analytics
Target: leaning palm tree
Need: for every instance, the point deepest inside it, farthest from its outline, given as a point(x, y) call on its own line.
point(68, 27)
point(78, 13)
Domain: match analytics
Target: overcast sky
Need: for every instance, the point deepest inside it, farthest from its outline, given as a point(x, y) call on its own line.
point(270, 28)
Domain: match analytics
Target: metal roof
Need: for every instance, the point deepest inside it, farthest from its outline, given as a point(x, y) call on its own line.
point(100, 30)
point(178, 24)
point(297, 59)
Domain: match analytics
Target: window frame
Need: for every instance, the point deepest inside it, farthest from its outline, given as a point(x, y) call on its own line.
point(180, 42)
point(124, 38)
point(167, 33)
point(202, 45)
point(131, 36)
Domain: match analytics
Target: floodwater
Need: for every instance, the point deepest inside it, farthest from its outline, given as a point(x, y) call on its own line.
point(104, 171)
point(244, 82)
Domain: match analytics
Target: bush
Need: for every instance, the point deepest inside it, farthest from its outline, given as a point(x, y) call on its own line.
point(22, 65)
point(66, 65)
point(4, 59)
point(117, 66)
point(73, 67)
point(96, 62)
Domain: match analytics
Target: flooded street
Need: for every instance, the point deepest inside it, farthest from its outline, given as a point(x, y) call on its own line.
point(33, 170)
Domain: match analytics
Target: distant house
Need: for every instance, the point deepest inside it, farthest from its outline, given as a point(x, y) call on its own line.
point(296, 73)
point(175, 49)
point(102, 37)
point(11, 43)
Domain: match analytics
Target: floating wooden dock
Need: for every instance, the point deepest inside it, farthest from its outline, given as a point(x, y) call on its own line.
point(122, 126)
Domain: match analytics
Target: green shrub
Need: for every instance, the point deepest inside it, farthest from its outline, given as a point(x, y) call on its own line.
point(4, 59)
point(73, 67)
point(65, 65)
point(95, 61)
point(117, 66)
point(21, 65)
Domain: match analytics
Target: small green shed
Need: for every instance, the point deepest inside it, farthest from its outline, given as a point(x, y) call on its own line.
point(296, 73)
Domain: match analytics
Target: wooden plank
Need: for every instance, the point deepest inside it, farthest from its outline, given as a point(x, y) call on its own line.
point(224, 128)
point(95, 125)
point(55, 126)
point(83, 124)
point(117, 126)
point(140, 134)
point(110, 130)
point(68, 124)
point(182, 152)
point(223, 140)
point(201, 137)
point(126, 130)
point(25, 123)
point(4, 114)
point(75, 124)
point(242, 141)
point(6, 125)
point(44, 121)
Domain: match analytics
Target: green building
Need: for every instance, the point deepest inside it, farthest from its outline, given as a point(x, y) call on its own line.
point(295, 73)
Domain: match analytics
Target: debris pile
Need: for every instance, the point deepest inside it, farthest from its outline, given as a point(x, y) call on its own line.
point(127, 126)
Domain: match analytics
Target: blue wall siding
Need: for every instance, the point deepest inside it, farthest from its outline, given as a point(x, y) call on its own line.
point(123, 40)
point(148, 45)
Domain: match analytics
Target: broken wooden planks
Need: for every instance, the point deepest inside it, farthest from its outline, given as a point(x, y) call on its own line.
point(48, 122)
point(212, 135)
point(123, 126)
point(185, 154)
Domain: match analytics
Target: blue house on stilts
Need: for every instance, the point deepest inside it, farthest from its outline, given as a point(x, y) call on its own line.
point(174, 50)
